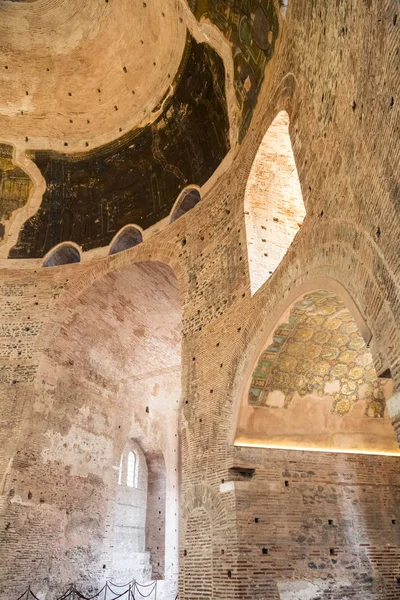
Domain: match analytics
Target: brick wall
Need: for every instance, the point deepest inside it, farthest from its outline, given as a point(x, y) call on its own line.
point(335, 72)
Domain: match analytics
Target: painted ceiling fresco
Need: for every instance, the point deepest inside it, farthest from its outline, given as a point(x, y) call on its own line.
point(15, 186)
point(320, 344)
point(137, 178)
point(252, 27)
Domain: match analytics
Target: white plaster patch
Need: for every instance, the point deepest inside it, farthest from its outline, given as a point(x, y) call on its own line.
point(276, 398)
point(83, 451)
point(331, 387)
point(306, 590)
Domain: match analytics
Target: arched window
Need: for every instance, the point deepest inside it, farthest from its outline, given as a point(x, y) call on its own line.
point(128, 237)
point(63, 255)
point(274, 208)
point(132, 470)
point(188, 199)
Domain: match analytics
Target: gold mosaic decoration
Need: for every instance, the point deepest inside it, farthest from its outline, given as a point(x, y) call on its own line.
point(15, 186)
point(320, 344)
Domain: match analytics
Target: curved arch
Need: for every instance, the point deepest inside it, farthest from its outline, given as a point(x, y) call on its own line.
point(188, 198)
point(64, 254)
point(257, 332)
point(128, 237)
point(273, 203)
point(271, 384)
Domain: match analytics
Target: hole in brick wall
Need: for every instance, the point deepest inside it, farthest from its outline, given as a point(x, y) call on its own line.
point(395, 20)
point(330, 522)
point(286, 483)
point(29, 495)
point(256, 520)
point(393, 521)
point(265, 550)
point(392, 102)
point(280, 205)
point(104, 566)
point(147, 409)
point(242, 472)
point(332, 551)
point(398, 580)
point(229, 573)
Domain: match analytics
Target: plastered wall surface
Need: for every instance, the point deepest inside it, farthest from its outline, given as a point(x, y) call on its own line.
point(334, 72)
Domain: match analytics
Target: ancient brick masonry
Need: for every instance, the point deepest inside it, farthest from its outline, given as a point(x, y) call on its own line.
point(171, 326)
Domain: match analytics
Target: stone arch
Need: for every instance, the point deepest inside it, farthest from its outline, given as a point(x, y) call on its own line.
point(273, 204)
point(189, 197)
point(322, 332)
point(63, 254)
point(128, 237)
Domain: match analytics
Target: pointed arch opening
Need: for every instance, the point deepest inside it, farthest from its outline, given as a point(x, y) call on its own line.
point(314, 385)
point(129, 237)
point(187, 200)
point(64, 254)
point(274, 207)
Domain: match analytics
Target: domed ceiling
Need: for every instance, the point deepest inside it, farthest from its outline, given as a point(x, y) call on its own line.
point(112, 108)
point(76, 72)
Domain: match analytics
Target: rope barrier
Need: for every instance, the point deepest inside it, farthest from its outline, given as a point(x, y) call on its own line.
point(132, 587)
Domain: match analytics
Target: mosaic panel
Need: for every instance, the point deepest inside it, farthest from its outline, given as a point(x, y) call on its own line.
point(319, 345)
point(15, 186)
point(137, 178)
point(251, 26)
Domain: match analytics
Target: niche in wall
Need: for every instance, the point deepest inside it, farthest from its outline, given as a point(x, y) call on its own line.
point(128, 237)
point(139, 516)
point(314, 386)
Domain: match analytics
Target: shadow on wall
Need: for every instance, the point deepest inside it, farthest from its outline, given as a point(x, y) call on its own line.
point(315, 387)
point(274, 208)
point(64, 254)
